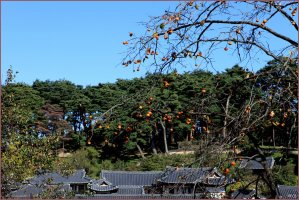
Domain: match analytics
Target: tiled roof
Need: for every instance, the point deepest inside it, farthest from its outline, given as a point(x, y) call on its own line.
point(143, 196)
point(78, 177)
point(256, 164)
point(102, 186)
point(125, 190)
point(53, 178)
point(215, 189)
point(47, 178)
point(183, 175)
point(243, 194)
point(217, 181)
point(36, 184)
point(27, 191)
point(130, 178)
point(35, 190)
point(204, 175)
point(287, 192)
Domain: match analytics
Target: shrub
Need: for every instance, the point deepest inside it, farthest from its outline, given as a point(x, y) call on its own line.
point(159, 162)
point(284, 175)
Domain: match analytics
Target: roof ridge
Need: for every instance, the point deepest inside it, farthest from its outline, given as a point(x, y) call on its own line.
point(131, 186)
point(189, 167)
point(137, 172)
point(101, 179)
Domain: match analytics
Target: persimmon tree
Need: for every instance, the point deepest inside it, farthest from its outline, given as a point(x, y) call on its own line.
point(194, 33)
point(197, 29)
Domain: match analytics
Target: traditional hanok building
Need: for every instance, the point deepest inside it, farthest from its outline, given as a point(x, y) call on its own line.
point(102, 186)
point(27, 191)
point(205, 181)
point(124, 182)
point(34, 187)
point(78, 181)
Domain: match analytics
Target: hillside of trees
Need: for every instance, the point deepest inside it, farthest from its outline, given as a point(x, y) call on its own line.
point(113, 123)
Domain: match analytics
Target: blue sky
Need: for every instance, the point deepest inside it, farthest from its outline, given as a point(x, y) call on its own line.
point(76, 41)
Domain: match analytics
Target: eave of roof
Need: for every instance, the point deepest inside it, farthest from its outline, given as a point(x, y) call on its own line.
point(134, 178)
point(243, 193)
point(173, 175)
point(256, 164)
point(287, 192)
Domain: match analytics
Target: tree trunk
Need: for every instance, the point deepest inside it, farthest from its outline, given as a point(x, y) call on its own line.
point(140, 150)
point(256, 188)
point(273, 135)
point(266, 175)
point(153, 143)
point(171, 137)
point(164, 136)
point(225, 118)
point(291, 130)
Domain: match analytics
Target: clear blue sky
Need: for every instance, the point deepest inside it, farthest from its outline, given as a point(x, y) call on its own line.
point(76, 41)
